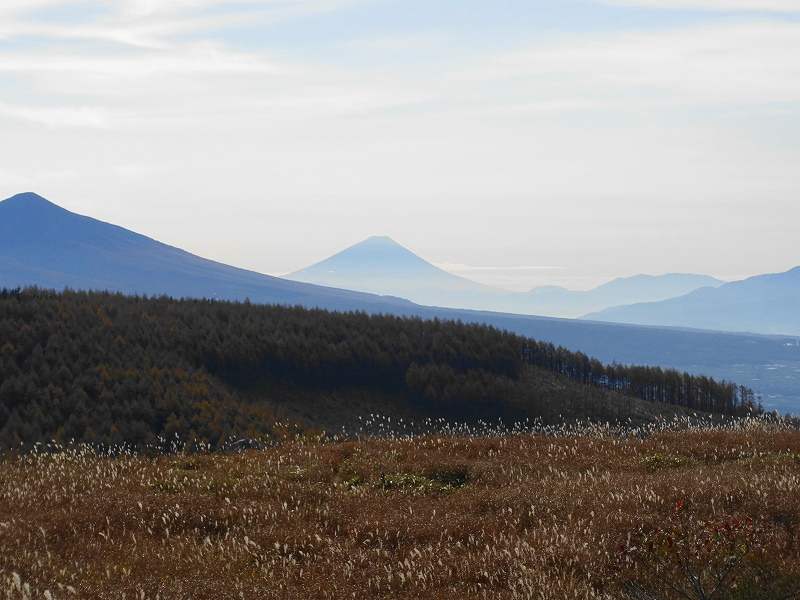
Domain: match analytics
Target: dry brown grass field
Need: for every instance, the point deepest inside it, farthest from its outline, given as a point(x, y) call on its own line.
point(671, 512)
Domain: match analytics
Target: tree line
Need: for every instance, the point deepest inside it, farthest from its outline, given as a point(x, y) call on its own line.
point(696, 392)
point(109, 368)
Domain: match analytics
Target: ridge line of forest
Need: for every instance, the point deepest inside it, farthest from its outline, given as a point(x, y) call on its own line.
point(104, 367)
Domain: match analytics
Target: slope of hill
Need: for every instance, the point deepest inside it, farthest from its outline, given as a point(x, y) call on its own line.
point(48, 246)
point(762, 304)
point(770, 364)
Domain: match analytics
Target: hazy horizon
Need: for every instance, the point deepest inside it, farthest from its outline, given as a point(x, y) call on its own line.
point(510, 278)
point(517, 144)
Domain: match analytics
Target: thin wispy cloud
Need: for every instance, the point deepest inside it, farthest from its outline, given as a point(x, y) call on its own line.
point(738, 62)
point(15, 180)
point(336, 117)
point(716, 5)
point(137, 170)
point(150, 24)
point(163, 73)
point(463, 267)
point(729, 62)
point(195, 57)
point(79, 117)
point(415, 43)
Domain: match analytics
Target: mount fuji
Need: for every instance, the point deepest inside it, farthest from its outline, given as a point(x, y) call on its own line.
point(379, 265)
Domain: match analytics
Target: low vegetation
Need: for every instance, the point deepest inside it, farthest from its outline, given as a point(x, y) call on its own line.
point(676, 510)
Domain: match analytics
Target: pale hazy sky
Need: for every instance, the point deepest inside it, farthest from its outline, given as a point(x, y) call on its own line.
point(534, 141)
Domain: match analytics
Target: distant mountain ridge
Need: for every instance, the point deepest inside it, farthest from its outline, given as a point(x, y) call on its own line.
point(765, 304)
point(560, 302)
point(762, 304)
point(379, 265)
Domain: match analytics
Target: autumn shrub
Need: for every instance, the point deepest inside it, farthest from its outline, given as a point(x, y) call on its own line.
point(725, 557)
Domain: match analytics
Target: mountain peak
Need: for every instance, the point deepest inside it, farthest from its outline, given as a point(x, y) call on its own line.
point(376, 248)
point(374, 256)
point(26, 199)
point(29, 205)
point(379, 239)
point(378, 264)
point(27, 219)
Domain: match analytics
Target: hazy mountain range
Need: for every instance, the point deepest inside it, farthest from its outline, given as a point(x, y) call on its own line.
point(45, 245)
point(763, 304)
point(557, 301)
point(379, 265)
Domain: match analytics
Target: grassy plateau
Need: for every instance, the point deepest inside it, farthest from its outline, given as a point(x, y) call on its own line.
point(674, 510)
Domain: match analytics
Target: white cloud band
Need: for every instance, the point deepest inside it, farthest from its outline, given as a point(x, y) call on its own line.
point(716, 5)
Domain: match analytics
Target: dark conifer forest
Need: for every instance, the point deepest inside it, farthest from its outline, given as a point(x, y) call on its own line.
point(108, 368)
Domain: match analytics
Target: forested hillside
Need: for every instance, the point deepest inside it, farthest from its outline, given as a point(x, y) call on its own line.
point(110, 368)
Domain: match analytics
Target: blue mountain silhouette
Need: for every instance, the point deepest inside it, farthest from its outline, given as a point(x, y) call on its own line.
point(380, 265)
point(762, 304)
point(45, 245)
